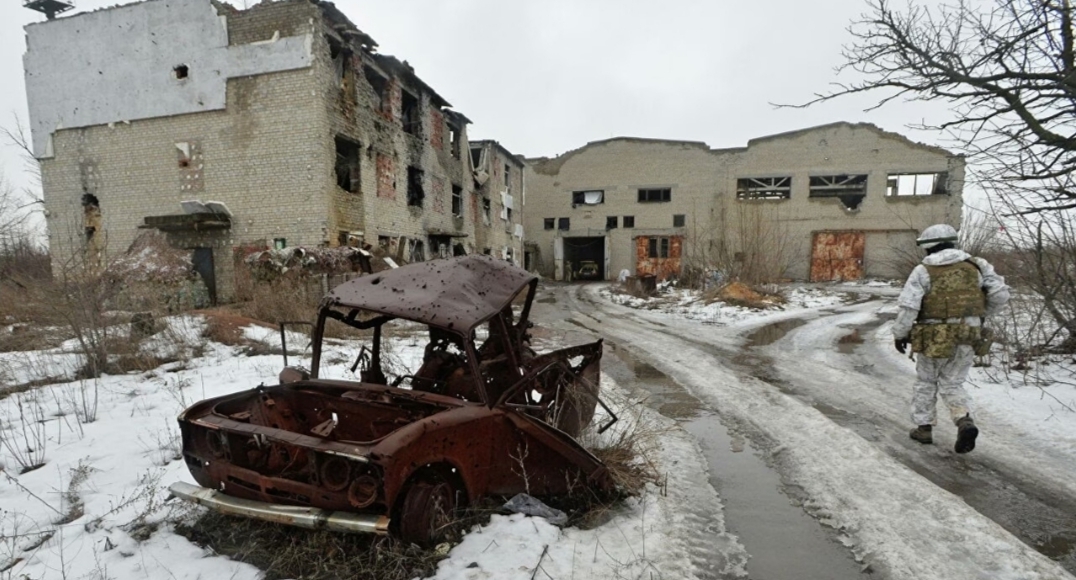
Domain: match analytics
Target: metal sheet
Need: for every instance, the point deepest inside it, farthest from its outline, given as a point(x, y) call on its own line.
point(659, 267)
point(837, 256)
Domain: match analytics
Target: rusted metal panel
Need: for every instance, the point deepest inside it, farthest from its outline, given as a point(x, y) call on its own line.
point(837, 256)
point(658, 256)
point(472, 414)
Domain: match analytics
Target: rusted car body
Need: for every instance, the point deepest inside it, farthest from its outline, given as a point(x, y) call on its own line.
point(370, 455)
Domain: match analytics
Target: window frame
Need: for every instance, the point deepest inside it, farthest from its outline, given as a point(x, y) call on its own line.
point(628, 221)
point(768, 188)
point(654, 194)
point(679, 220)
point(564, 224)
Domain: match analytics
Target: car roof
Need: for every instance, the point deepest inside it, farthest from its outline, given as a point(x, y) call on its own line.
point(456, 294)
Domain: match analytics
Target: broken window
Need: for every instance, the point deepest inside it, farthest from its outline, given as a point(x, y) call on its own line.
point(486, 211)
point(459, 250)
point(457, 201)
point(181, 72)
point(416, 251)
point(629, 221)
point(658, 247)
point(91, 216)
point(764, 188)
point(655, 195)
point(610, 222)
point(280, 243)
point(850, 189)
point(678, 220)
point(380, 86)
point(508, 214)
point(415, 193)
point(347, 165)
point(455, 138)
point(550, 223)
point(476, 156)
point(563, 224)
point(507, 172)
point(589, 197)
point(487, 251)
point(412, 121)
point(915, 184)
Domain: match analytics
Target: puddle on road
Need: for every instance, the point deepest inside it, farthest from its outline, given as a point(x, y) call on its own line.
point(783, 540)
point(771, 333)
point(1015, 506)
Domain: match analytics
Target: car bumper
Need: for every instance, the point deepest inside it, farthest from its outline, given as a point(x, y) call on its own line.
point(303, 517)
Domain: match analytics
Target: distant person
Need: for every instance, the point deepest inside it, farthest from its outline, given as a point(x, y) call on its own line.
point(942, 309)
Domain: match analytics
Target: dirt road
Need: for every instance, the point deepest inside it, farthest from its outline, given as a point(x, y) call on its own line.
point(807, 415)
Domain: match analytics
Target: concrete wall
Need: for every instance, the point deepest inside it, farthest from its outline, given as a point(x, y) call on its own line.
point(263, 154)
point(118, 64)
point(841, 149)
point(620, 167)
point(704, 182)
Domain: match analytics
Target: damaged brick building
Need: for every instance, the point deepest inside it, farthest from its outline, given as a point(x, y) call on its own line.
point(229, 130)
point(833, 202)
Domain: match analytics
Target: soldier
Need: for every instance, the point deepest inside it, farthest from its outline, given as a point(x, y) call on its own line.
point(942, 308)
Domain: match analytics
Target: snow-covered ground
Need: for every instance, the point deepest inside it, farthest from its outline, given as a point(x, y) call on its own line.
point(96, 509)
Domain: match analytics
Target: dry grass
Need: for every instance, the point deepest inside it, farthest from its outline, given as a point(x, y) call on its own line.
point(759, 296)
point(287, 552)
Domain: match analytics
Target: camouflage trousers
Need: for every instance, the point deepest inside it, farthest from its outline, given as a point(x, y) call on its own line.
point(945, 377)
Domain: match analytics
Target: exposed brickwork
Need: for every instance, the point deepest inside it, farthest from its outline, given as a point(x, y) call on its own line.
point(386, 177)
point(437, 192)
point(437, 129)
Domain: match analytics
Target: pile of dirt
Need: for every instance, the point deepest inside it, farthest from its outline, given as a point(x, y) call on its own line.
point(740, 294)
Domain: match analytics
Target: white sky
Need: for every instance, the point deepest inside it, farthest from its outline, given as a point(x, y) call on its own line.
point(543, 77)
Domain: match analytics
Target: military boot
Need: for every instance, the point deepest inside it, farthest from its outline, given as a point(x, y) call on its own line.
point(966, 432)
point(923, 434)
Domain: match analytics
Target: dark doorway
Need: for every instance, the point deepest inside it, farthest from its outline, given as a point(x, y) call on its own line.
point(584, 258)
point(203, 264)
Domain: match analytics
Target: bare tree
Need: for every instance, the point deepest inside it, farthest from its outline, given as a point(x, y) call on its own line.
point(1007, 69)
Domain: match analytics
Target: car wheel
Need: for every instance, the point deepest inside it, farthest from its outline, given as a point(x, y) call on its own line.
point(427, 510)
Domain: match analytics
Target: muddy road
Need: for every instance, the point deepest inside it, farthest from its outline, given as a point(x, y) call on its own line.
point(825, 361)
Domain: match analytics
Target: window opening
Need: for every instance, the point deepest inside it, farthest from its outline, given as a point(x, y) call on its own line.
point(412, 121)
point(589, 197)
point(629, 221)
point(563, 224)
point(678, 220)
point(507, 172)
point(455, 137)
point(764, 188)
point(181, 72)
point(550, 223)
point(415, 193)
point(655, 195)
point(379, 84)
point(457, 201)
point(850, 189)
point(915, 184)
point(347, 165)
point(476, 156)
point(610, 222)
point(280, 243)
point(486, 210)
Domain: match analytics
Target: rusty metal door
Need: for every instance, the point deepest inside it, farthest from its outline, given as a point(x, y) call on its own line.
point(837, 256)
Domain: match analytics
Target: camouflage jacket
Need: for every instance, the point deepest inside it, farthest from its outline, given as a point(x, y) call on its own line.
point(918, 284)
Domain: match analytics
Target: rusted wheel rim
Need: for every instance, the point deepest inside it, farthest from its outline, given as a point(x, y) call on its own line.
point(427, 510)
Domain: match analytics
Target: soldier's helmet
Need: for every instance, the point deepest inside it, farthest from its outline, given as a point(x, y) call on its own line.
point(937, 234)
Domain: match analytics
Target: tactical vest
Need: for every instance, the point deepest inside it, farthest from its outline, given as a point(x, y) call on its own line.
point(954, 292)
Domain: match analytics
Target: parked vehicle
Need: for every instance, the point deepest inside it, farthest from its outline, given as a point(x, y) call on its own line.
point(483, 415)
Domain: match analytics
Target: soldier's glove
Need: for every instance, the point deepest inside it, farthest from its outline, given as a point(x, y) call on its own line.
point(901, 344)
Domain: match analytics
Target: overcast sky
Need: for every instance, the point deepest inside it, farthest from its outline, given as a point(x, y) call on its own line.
point(546, 76)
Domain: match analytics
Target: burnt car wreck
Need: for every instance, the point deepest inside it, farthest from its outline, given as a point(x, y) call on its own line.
point(482, 416)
